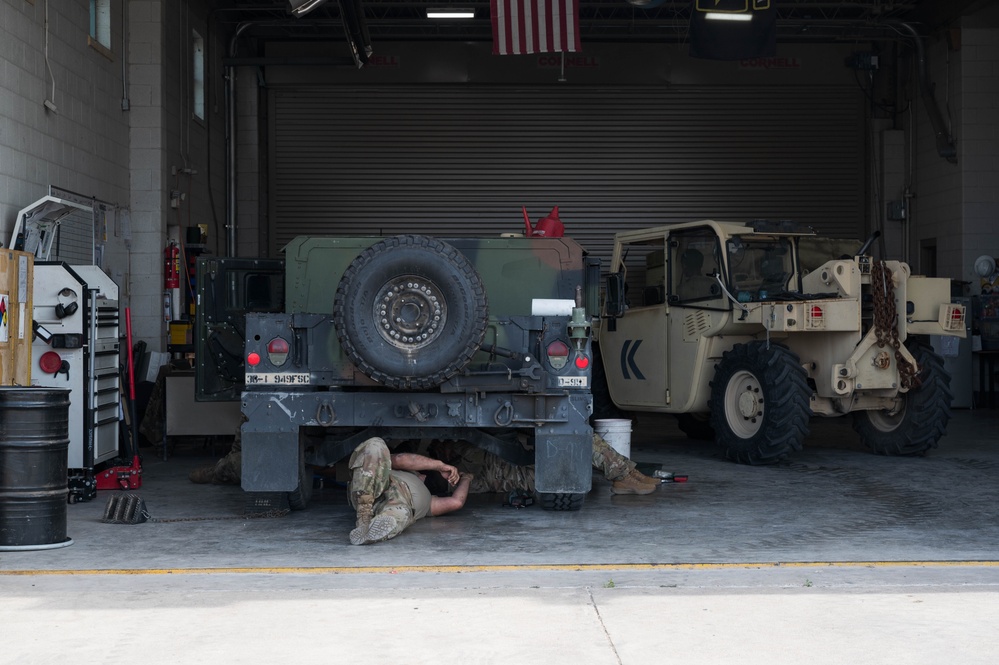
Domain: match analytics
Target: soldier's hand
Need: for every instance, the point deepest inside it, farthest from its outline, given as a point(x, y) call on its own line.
point(450, 473)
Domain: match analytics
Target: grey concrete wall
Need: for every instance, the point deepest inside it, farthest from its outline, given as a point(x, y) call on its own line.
point(957, 205)
point(979, 147)
point(936, 210)
point(123, 131)
point(174, 156)
point(83, 145)
point(146, 67)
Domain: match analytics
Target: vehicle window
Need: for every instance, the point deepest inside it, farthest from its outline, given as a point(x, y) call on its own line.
point(644, 266)
point(694, 267)
point(759, 268)
point(255, 291)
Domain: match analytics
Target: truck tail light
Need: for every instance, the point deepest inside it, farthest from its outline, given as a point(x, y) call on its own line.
point(558, 354)
point(277, 351)
point(253, 359)
point(816, 317)
point(952, 317)
point(582, 362)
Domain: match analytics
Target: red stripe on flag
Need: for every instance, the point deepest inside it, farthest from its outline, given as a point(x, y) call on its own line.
point(534, 26)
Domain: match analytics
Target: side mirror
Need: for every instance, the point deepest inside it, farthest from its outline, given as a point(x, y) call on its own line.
point(615, 295)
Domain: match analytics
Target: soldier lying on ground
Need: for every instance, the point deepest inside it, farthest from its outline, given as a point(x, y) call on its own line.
point(388, 491)
point(494, 474)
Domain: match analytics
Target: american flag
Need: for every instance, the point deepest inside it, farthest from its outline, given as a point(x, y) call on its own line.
point(535, 26)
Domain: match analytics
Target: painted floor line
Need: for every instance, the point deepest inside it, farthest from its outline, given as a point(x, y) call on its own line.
point(598, 567)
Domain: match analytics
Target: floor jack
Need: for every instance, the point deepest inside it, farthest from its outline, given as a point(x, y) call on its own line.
point(126, 477)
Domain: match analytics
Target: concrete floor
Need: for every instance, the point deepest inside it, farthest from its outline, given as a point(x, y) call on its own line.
point(837, 554)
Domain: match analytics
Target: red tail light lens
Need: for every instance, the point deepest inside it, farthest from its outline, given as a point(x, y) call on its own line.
point(277, 351)
point(582, 362)
point(558, 354)
point(253, 359)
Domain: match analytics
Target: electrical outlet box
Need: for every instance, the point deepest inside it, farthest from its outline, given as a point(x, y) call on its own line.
point(863, 61)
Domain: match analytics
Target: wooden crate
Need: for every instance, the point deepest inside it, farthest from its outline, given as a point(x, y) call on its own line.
point(16, 277)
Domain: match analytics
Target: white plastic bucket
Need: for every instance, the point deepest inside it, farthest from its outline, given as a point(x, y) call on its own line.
point(616, 432)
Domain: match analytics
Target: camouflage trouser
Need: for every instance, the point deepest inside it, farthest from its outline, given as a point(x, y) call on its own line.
point(371, 467)
point(228, 470)
point(613, 464)
point(494, 474)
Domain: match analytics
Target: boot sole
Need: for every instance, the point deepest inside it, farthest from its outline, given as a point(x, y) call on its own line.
point(379, 529)
point(629, 490)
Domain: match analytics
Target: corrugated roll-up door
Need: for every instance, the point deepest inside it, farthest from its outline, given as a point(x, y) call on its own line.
point(462, 160)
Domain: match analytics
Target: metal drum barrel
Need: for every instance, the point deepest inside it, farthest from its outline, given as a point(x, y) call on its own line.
point(34, 445)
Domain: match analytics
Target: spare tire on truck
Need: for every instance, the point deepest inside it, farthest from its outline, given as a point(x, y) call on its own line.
point(410, 312)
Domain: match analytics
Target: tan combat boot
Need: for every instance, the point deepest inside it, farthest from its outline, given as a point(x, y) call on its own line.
point(642, 478)
point(365, 504)
point(203, 474)
point(631, 485)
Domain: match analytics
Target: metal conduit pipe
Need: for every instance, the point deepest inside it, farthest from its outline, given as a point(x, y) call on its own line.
point(944, 138)
point(230, 144)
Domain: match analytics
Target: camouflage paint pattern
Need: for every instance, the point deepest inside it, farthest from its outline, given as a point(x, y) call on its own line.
point(514, 271)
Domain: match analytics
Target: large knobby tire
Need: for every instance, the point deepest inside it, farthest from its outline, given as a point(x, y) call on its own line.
point(920, 416)
point(760, 403)
point(410, 312)
point(561, 501)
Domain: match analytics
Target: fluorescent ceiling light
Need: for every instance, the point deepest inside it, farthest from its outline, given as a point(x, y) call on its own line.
point(721, 16)
point(450, 13)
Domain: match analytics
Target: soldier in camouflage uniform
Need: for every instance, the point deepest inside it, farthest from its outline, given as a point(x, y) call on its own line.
point(494, 474)
point(227, 470)
point(388, 493)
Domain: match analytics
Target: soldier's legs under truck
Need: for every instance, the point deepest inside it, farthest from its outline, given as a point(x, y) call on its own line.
point(494, 474)
point(384, 504)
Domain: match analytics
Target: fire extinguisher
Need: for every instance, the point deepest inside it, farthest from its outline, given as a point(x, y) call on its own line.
point(171, 267)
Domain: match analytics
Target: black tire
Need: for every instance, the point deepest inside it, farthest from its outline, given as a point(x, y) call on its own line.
point(298, 499)
point(760, 403)
point(439, 306)
point(696, 426)
point(561, 501)
point(922, 414)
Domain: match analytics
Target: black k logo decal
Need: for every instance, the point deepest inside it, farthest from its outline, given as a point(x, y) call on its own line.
point(628, 352)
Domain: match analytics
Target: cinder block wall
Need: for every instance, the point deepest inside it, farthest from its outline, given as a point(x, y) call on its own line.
point(123, 131)
point(175, 157)
point(82, 146)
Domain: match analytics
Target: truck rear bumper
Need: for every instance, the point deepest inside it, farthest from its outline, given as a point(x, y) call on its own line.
point(270, 436)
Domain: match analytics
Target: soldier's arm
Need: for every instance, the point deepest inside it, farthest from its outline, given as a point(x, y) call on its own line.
point(414, 462)
point(440, 505)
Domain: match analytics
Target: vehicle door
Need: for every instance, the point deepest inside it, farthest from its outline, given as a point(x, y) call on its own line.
point(696, 304)
point(228, 288)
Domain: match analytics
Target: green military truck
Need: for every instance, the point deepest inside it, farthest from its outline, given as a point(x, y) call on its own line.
point(739, 330)
point(485, 340)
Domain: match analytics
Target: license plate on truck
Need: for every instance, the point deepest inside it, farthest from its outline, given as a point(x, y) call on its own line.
point(277, 378)
point(572, 382)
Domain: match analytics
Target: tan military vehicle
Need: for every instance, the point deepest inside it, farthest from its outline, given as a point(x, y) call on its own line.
point(743, 334)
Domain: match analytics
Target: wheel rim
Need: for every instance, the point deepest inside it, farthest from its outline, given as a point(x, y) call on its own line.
point(744, 404)
point(887, 421)
point(411, 312)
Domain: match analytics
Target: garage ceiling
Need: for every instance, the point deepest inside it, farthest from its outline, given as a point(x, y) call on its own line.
point(814, 21)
